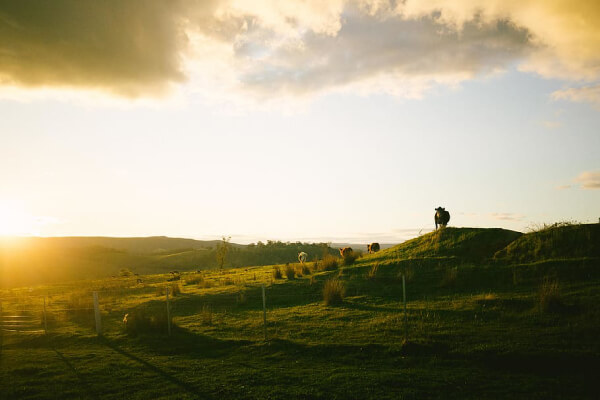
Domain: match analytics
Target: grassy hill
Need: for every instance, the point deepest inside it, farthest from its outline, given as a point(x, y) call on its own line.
point(474, 244)
point(28, 261)
point(554, 241)
point(471, 328)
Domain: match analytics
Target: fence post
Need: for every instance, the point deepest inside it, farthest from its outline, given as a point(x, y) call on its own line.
point(168, 313)
point(97, 315)
point(404, 300)
point(264, 312)
point(45, 319)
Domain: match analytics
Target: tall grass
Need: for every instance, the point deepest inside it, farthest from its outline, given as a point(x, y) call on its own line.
point(290, 272)
point(328, 263)
point(333, 292)
point(549, 297)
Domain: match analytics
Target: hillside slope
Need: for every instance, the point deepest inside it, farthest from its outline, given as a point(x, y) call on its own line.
point(465, 243)
point(571, 241)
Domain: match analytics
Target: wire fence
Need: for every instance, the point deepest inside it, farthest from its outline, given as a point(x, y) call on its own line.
point(257, 311)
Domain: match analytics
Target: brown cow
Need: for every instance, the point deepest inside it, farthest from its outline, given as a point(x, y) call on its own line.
point(373, 248)
point(345, 251)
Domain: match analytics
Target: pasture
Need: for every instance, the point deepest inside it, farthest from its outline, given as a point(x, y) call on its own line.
point(475, 326)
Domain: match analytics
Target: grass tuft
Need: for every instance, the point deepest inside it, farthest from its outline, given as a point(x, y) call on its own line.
point(328, 263)
point(277, 273)
point(333, 292)
point(290, 272)
point(549, 297)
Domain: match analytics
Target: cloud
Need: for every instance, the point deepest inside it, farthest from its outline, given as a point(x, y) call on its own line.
point(507, 216)
point(586, 94)
point(552, 124)
point(589, 179)
point(293, 48)
point(123, 46)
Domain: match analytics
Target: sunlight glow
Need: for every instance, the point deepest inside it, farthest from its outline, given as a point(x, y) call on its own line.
point(15, 221)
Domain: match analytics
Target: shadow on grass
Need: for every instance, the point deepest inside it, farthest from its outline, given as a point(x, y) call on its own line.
point(163, 374)
point(89, 393)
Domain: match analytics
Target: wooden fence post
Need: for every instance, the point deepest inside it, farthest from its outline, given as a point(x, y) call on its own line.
point(264, 298)
point(45, 319)
point(97, 315)
point(404, 300)
point(168, 313)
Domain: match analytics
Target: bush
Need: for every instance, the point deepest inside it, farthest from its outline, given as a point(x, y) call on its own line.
point(290, 272)
point(328, 263)
point(350, 257)
point(549, 297)
point(144, 322)
point(277, 273)
point(194, 279)
point(333, 292)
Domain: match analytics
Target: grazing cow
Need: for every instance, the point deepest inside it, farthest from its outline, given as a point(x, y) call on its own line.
point(441, 217)
point(373, 248)
point(345, 251)
point(302, 257)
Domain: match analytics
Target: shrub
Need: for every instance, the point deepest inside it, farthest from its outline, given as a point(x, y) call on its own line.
point(290, 272)
point(194, 279)
point(351, 256)
point(227, 282)
point(206, 315)
point(549, 297)
point(328, 263)
point(277, 273)
point(333, 292)
point(144, 322)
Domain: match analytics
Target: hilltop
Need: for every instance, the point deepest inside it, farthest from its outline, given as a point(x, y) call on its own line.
point(558, 241)
point(474, 244)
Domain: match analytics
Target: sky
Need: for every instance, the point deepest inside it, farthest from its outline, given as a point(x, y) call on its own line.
point(303, 120)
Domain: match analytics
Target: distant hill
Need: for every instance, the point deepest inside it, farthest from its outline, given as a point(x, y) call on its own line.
point(135, 245)
point(29, 261)
point(467, 243)
point(555, 241)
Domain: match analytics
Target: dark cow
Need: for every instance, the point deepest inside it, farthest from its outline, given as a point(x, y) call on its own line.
point(373, 248)
point(345, 251)
point(441, 217)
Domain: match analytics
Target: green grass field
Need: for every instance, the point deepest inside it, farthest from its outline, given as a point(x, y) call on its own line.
point(488, 315)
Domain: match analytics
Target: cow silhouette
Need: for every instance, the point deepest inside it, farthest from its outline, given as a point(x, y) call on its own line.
point(441, 217)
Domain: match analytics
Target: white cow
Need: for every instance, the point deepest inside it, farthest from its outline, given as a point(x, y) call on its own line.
point(302, 257)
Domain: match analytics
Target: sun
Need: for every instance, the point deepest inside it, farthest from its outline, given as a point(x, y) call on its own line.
point(15, 221)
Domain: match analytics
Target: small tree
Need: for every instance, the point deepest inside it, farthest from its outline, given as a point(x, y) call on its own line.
point(222, 250)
